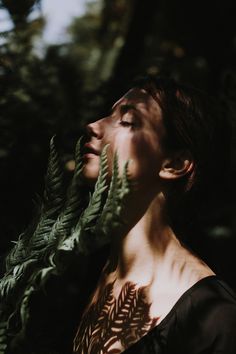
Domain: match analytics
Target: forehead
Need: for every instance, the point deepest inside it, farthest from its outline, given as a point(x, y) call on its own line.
point(142, 102)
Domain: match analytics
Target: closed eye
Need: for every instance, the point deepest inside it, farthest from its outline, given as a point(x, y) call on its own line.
point(125, 123)
point(127, 115)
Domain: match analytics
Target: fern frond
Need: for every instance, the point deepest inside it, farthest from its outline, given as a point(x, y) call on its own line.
point(12, 282)
point(54, 184)
point(25, 309)
point(17, 253)
point(27, 269)
point(113, 188)
point(3, 337)
point(111, 219)
point(54, 201)
point(72, 210)
point(94, 207)
point(73, 204)
point(125, 182)
point(31, 243)
point(80, 237)
point(114, 185)
point(62, 230)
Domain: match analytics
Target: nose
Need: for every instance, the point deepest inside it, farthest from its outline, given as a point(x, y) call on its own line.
point(94, 129)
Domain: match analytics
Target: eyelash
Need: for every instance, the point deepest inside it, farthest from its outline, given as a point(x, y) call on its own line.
point(124, 123)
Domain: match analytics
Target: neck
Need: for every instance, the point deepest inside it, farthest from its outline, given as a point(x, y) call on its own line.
point(148, 245)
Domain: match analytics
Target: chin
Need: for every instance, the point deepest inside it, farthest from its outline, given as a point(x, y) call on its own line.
point(90, 174)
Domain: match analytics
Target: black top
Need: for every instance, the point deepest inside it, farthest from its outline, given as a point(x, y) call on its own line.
point(203, 321)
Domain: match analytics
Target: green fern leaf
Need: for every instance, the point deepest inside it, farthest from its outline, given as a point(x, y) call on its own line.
point(62, 229)
point(3, 337)
point(111, 217)
point(113, 188)
point(73, 204)
point(12, 282)
point(81, 236)
point(95, 203)
point(54, 184)
point(29, 243)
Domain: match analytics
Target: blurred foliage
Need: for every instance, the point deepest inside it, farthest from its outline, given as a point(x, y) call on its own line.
point(69, 84)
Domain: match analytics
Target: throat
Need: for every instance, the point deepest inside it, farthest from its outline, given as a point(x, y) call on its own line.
point(140, 254)
point(146, 243)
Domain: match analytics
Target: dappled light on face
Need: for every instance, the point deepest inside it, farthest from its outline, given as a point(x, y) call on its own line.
point(134, 131)
point(148, 156)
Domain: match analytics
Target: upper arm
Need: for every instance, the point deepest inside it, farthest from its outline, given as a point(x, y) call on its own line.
point(206, 327)
point(224, 327)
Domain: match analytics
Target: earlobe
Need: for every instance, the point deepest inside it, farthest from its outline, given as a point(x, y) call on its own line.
point(177, 166)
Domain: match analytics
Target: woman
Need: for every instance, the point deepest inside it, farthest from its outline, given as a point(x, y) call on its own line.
point(154, 295)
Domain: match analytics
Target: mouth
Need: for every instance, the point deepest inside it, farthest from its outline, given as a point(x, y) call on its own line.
point(90, 150)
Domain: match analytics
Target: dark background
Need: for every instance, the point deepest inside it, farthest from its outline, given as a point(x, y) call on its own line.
point(75, 82)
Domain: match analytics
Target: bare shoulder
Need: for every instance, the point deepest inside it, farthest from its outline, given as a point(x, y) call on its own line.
point(185, 271)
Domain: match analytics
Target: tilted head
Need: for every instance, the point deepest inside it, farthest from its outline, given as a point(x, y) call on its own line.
point(175, 136)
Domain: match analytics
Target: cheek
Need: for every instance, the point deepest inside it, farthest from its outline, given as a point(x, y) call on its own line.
point(120, 142)
point(143, 151)
point(147, 156)
point(146, 147)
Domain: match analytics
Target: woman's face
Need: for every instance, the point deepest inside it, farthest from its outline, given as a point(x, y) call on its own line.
point(135, 130)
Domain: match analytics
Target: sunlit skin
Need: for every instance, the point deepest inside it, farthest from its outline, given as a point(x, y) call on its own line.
point(148, 253)
point(133, 129)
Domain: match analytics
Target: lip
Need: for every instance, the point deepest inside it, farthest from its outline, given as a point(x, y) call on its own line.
point(89, 149)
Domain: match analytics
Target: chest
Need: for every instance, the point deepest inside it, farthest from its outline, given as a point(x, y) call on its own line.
point(112, 323)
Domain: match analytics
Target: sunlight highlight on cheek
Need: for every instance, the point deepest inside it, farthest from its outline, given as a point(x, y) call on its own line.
point(147, 153)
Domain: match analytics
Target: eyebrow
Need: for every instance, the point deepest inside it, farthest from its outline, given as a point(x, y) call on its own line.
point(124, 107)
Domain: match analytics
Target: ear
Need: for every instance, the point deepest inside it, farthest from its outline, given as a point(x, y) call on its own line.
point(176, 166)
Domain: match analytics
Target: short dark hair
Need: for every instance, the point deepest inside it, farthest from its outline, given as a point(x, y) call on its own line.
point(195, 122)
